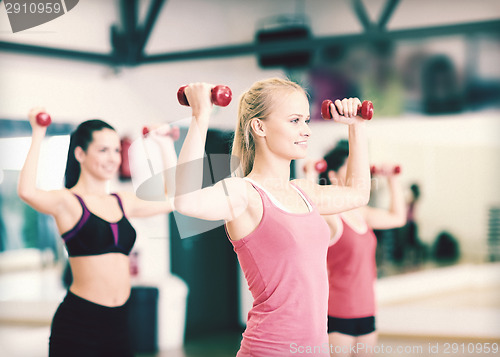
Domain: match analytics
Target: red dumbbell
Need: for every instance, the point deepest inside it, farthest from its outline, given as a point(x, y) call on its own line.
point(221, 96)
point(174, 132)
point(374, 170)
point(319, 166)
point(365, 109)
point(43, 119)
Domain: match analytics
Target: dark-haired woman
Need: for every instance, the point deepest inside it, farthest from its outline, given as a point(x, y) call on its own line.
point(351, 259)
point(92, 319)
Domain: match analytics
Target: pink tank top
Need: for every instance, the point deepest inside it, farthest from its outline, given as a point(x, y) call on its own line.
point(351, 273)
point(284, 262)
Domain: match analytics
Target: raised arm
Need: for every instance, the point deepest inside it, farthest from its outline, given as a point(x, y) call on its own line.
point(165, 142)
point(358, 168)
point(224, 200)
point(137, 207)
point(312, 169)
point(355, 193)
point(48, 202)
point(395, 216)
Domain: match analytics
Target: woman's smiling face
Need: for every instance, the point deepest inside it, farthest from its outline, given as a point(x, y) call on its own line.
point(287, 127)
point(103, 156)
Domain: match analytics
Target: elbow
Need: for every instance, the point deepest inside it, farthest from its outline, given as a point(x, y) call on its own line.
point(401, 222)
point(184, 206)
point(179, 205)
point(364, 198)
point(398, 220)
point(360, 200)
point(24, 194)
point(361, 194)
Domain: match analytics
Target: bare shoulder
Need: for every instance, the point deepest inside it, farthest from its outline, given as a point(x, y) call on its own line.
point(126, 196)
point(128, 199)
point(65, 199)
point(247, 216)
point(304, 184)
point(63, 193)
point(236, 183)
point(239, 189)
point(66, 208)
point(250, 202)
point(310, 188)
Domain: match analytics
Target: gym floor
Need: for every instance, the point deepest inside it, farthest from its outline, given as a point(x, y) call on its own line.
point(458, 321)
point(28, 341)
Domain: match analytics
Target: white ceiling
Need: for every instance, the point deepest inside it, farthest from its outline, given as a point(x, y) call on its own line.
point(190, 24)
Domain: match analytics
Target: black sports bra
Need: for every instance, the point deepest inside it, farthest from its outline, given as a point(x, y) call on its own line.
point(93, 235)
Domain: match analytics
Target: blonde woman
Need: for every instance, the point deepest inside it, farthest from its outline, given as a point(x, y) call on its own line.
point(274, 224)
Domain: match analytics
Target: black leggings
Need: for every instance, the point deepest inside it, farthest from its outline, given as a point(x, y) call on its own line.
point(83, 328)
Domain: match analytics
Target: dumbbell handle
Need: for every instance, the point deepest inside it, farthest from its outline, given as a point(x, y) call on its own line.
point(43, 119)
point(374, 170)
point(365, 110)
point(173, 133)
point(221, 95)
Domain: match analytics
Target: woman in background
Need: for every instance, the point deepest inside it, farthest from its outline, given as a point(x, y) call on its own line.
point(92, 319)
point(351, 258)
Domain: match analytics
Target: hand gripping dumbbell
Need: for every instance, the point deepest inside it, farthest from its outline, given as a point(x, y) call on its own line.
point(395, 170)
point(43, 119)
point(365, 110)
point(221, 96)
point(320, 166)
point(173, 132)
